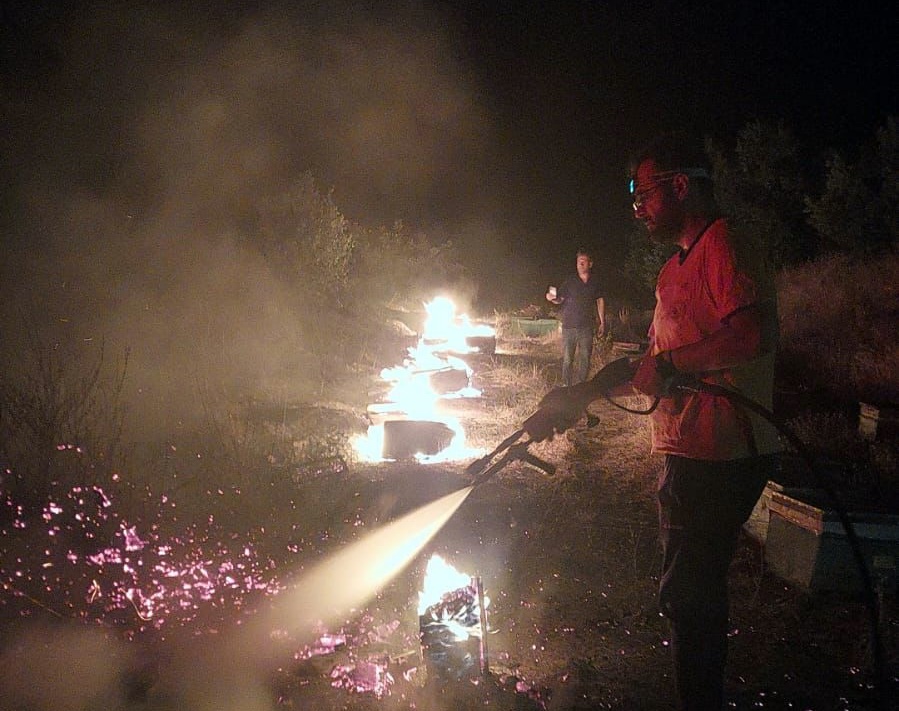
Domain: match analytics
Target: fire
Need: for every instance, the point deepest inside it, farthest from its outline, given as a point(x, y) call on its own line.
point(452, 619)
point(440, 578)
point(452, 332)
point(430, 374)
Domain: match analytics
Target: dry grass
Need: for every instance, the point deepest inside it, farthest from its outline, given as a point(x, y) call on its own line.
point(865, 471)
point(515, 343)
point(830, 434)
point(514, 388)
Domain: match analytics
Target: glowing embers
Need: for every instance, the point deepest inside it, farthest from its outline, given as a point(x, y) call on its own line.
point(365, 676)
point(78, 555)
point(414, 420)
point(452, 617)
point(356, 660)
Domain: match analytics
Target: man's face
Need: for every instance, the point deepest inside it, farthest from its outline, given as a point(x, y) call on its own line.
point(584, 265)
point(655, 202)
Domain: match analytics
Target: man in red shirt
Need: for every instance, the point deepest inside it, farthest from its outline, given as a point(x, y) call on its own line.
point(715, 320)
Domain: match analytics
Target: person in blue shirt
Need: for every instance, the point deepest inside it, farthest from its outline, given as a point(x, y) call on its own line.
point(582, 306)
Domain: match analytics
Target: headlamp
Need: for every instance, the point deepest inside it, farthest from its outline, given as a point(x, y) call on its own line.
point(668, 175)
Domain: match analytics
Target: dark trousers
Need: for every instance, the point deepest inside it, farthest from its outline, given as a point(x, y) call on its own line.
point(577, 348)
point(702, 507)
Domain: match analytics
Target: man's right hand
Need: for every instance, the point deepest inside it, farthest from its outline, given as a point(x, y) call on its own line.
point(558, 411)
point(654, 375)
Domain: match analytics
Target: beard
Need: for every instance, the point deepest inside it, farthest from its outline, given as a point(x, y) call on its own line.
point(664, 226)
point(661, 233)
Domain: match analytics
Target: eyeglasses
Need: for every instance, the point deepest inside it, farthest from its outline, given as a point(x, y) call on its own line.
point(659, 179)
point(641, 196)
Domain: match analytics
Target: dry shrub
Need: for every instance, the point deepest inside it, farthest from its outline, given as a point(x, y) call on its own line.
point(61, 416)
point(874, 374)
point(829, 434)
point(837, 325)
point(884, 458)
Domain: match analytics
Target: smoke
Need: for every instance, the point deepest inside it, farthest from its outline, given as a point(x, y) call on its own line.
point(147, 135)
point(64, 668)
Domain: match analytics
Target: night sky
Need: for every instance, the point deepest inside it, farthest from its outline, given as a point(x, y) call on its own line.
point(504, 126)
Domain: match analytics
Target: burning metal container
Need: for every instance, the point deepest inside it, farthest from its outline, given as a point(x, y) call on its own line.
point(448, 380)
point(404, 439)
point(453, 630)
point(407, 422)
point(485, 345)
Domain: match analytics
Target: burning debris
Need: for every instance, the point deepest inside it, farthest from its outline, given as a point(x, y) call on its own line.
point(380, 659)
point(364, 657)
point(446, 332)
point(364, 676)
point(453, 623)
point(410, 422)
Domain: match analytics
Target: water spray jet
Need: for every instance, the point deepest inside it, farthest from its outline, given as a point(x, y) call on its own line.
point(353, 575)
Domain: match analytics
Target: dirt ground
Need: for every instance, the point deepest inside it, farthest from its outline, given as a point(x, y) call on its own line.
point(569, 563)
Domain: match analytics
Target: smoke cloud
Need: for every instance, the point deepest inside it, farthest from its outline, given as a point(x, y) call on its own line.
point(146, 136)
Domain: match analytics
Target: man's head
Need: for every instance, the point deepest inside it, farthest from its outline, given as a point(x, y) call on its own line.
point(670, 181)
point(584, 263)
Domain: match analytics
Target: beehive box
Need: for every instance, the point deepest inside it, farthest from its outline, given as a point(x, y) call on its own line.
point(807, 545)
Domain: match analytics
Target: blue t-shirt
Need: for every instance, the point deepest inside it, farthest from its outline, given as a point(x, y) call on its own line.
point(579, 305)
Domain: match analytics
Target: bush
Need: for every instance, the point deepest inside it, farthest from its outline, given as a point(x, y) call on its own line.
point(857, 209)
point(343, 275)
point(645, 258)
point(61, 411)
point(760, 185)
point(837, 325)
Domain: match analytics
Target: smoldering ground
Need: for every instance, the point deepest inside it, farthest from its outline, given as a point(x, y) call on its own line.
point(64, 666)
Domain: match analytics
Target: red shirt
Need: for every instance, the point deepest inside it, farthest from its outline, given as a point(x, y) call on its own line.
point(695, 293)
